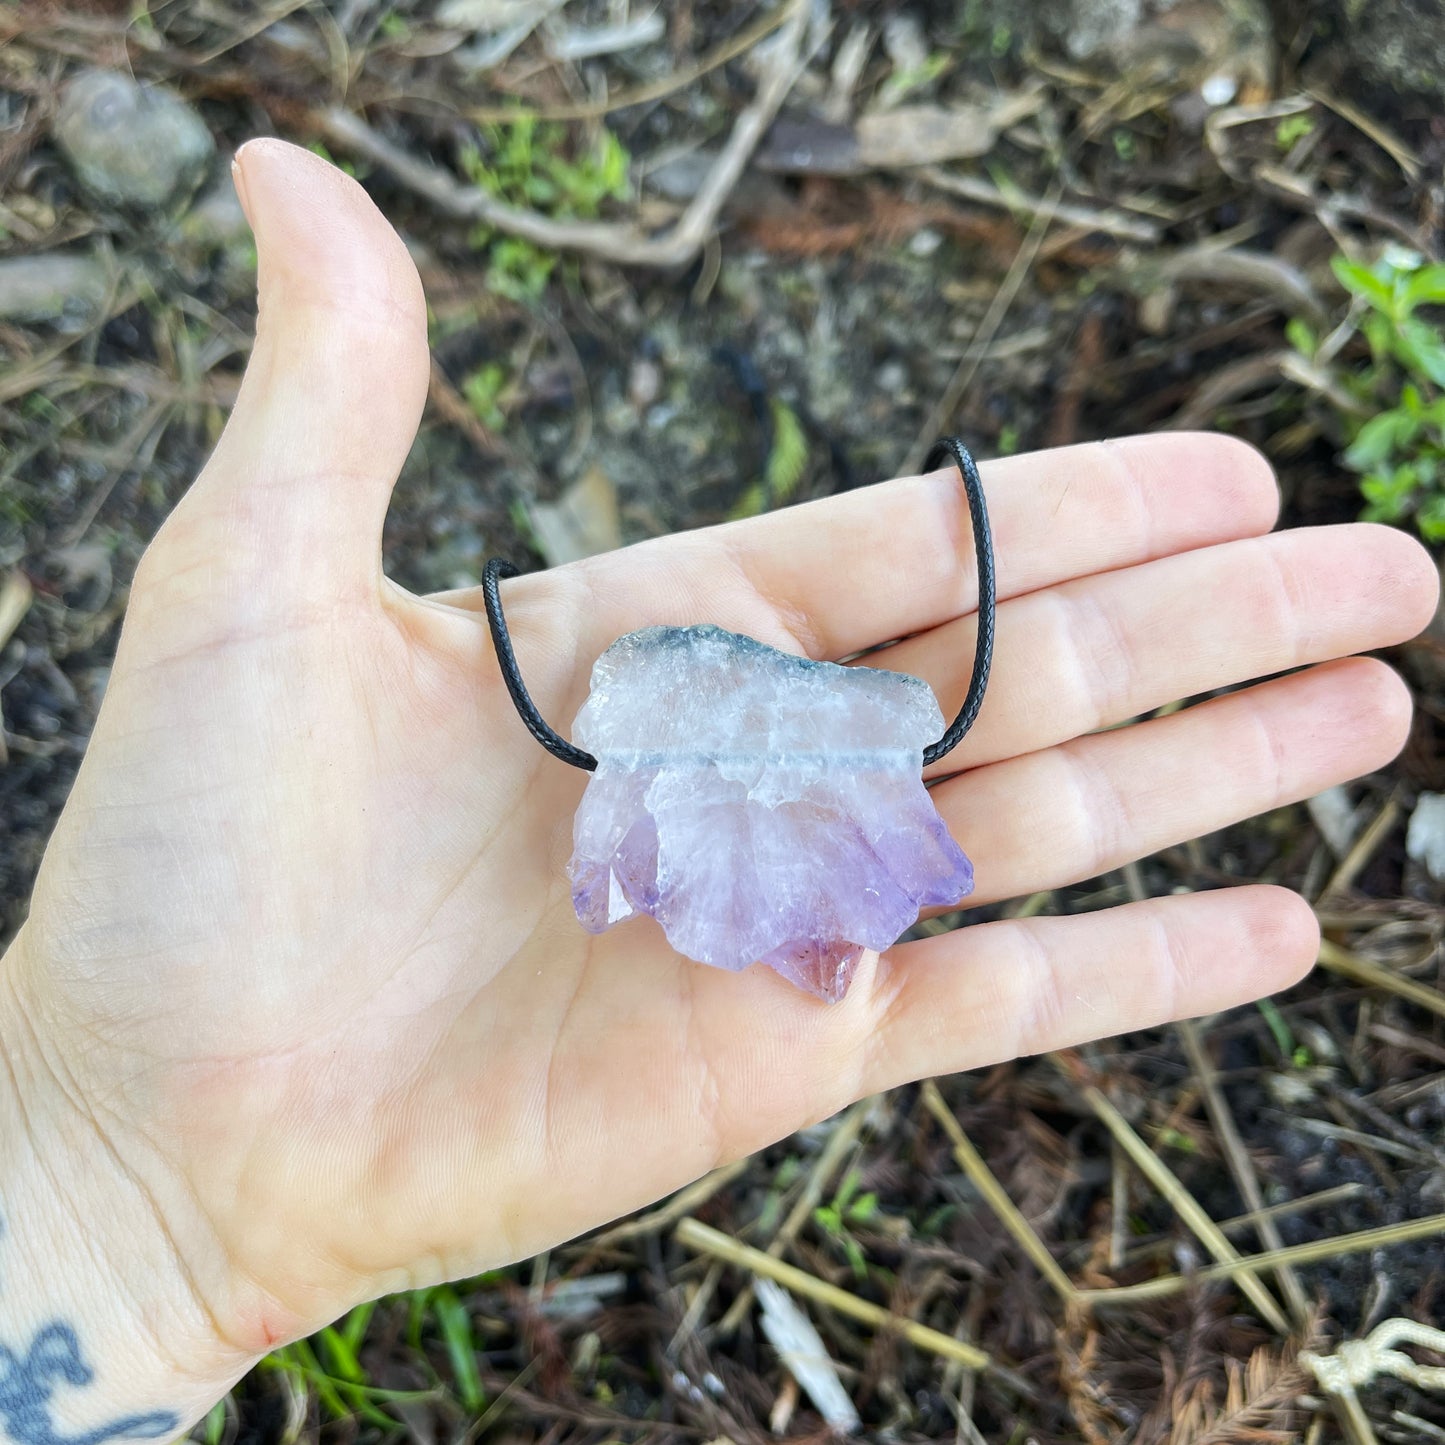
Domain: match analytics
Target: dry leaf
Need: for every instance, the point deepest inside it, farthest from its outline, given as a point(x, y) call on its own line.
point(582, 523)
point(920, 135)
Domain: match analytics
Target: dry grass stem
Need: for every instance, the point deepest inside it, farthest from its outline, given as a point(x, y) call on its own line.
point(982, 1179)
point(684, 1202)
point(15, 595)
point(1375, 975)
point(1310, 1252)
point(1241, 1166)
point(1189, 1210)
point(986, 193)
point(706, 1240)
point(1363, 849)
point(940, 418)
point(829, 1161)
point(670, 84)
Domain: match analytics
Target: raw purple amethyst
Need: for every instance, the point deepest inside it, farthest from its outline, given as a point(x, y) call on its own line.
point(761, 807)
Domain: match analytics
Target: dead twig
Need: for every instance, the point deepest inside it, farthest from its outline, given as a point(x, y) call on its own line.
point(621, 241)
point(668, 85)
point(1386, 139)
point(15, 597)
point(450, 405)
point(1088, 218)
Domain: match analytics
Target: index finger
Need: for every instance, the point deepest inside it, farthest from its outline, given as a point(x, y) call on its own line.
point(837, 576)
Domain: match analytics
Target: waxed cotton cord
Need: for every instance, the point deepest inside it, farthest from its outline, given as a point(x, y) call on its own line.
point(951, 449)
point(498, 569)
point(493, 573)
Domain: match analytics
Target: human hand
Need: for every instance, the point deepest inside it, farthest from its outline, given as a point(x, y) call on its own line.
point(301, 1014)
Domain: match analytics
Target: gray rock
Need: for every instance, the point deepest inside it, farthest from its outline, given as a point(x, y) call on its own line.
point(1227, 44)
point(1092, 27)
point(58, 287)
point(216, 219)
point(130, 144)
point(1395, 44)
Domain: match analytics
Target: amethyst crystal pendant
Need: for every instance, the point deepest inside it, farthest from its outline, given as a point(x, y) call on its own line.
point(761, 807)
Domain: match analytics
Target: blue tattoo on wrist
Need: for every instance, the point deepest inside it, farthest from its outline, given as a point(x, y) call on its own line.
point(28, 1383)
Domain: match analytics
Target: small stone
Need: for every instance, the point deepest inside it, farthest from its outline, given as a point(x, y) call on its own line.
point(891, 377)
point(1219, 89)
point(215, 220)
point(131, 144)
point(761, 807)
point(583, 522)
point(57, 287)
point(1092, 27)
point(925, 242)
point(644, 382)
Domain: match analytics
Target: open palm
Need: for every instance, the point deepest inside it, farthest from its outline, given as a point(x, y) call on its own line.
point(304, 937)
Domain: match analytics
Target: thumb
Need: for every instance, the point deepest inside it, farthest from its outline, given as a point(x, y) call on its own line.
point(291, 504)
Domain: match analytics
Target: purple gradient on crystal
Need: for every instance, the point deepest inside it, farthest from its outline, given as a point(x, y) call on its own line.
point(761, 807)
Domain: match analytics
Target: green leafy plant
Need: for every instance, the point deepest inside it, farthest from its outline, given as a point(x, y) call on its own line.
point(1291, 130)
point(1297, 1054)
point(904, 81)
point(532, 164)
point(317, 149)
point(1392, 408)
point(392, 26)
point(786, 463)
point(1171, 1138)
point(483, 390)
point(328, 1367)
point(847, 1208)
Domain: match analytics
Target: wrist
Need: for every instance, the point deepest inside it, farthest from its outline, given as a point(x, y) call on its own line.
point(102, 1327)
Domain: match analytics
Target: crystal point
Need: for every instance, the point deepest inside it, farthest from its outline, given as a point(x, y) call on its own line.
point(761, 807)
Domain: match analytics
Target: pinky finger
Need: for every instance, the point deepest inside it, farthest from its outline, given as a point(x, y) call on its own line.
point(999, 990)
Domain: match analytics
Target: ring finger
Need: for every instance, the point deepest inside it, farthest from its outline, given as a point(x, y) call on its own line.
point(1077, 810)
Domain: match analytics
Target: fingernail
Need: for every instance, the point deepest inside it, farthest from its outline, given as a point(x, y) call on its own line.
point(238, 179)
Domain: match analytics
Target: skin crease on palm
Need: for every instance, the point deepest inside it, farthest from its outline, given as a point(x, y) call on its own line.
point(302, 983)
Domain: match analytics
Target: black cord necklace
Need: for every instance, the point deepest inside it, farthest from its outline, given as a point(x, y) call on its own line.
point(498, 569)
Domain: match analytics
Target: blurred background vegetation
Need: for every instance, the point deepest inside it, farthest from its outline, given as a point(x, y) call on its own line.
point(694, 261)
